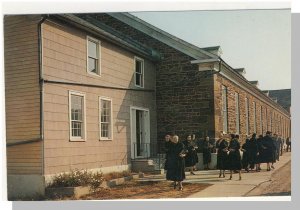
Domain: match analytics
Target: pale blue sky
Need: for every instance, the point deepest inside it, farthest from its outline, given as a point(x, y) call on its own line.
point(258, 40)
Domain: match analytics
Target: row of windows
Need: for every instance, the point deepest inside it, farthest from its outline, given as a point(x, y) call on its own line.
point(94, 62)
point(270, 123)
point(77, 117)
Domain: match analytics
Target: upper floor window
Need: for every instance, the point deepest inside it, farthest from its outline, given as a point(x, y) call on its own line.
point(139, 72)
point(224, 109)
point(77, 116)
point(93, 56)
point(237, 113)
point(247, 115)
point(254, 117)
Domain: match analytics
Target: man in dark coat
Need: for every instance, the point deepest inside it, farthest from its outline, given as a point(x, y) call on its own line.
point(168, 143)
point(288, 144)
point(260, 152)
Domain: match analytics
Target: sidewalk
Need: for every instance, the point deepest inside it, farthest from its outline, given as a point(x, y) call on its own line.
point(222, 187)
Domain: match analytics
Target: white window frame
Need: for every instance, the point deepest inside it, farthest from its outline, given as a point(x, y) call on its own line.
point(111, 118)
point(143, 72)
point(254, 118)
point(247, 115)
point(237, 112)
point(224, 108)
point(98, 42)
point(84, 136)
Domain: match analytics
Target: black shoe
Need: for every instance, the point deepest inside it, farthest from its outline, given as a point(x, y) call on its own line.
point(174, 185)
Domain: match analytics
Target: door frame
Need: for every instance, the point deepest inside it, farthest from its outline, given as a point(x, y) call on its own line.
point(132, 130)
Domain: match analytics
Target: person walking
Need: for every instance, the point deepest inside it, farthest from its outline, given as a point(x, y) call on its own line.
point(222, 157)
point(252, 152)
point(267, 150)
point(245, 159)
point(168, 143)
point(288, 144)
point(234, 157)
point(206, 153)
point(191, 158)
point(176, 163)
point(259, 153)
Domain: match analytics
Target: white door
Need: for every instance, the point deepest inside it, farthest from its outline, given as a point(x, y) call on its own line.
point(140, 133)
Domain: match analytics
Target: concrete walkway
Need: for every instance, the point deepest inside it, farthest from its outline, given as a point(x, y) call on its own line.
point(222, 187)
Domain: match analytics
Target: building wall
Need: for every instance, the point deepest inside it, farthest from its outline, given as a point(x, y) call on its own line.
point(64, 59)
point(232, 88)
point(22, 94)
point(184, 95)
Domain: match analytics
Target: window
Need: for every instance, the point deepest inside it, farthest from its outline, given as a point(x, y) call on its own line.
point(93, 56)
point(254, 118)
point(261, 121)
point(77, 116)
point(237, 113)
point(139, 72)
point(105, 107)
point(271, 121)
point(267, 120)
point(247, 115)
point(224, 108)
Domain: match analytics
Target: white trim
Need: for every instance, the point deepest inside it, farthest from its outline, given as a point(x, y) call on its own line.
point(111, 118)
point(131, 128)
point(98, 42)
point(84, 136)
point(143, 71)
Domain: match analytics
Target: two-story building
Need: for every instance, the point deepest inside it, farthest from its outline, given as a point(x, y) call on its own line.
point(95, 91)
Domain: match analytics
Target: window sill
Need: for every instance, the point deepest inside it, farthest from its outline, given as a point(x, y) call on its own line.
point(105, 139)
point(77, 140)
point(141, 87)
point(94, 74)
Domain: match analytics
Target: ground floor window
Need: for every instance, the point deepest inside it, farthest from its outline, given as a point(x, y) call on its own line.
point(77, 115)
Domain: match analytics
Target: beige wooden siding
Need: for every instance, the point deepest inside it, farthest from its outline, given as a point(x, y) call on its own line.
point(22, 97)
point(64, 53)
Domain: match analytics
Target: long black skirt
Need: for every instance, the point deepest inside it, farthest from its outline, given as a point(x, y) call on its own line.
point(234, 161)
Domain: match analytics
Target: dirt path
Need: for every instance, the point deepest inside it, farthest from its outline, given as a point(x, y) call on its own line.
point(280, 183)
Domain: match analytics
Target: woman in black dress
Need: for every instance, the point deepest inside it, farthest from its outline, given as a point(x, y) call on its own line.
point(206, 153)
point(175, 167)
point(191, 158)
point(268, 148)
point(222, 149)
point(245, 159)
point(259, 152)
point(234, 157)
point(252, 152)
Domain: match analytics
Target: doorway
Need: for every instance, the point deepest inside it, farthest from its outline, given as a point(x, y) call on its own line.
point(140, 132)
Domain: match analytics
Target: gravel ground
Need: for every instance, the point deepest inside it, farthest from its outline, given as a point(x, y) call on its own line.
point(279, 185)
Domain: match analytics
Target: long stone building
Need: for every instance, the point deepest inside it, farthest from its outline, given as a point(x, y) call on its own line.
point(97, 91)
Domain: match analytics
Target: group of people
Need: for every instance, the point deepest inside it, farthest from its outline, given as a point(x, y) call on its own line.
point(181, 155)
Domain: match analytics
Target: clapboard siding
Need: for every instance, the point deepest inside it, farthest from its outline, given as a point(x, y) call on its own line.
point(22, 93)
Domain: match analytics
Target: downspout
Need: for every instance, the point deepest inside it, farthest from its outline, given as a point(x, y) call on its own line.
point(41, 84)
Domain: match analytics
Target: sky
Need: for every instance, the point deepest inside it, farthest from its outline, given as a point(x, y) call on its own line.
point(257, 40)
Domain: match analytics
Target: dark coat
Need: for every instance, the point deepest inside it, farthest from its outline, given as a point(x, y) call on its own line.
point(175, 165)
point(246, 156)
point(222, 156)
point(206, 152)
point(234, 157)
point(267, 150)
point(252, 152)
point(167, 147)
point(191, 158)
